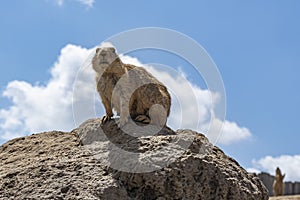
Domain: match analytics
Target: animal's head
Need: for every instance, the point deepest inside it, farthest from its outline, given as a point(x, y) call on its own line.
point(279, 176)
point(103, 58)
point(278, 172)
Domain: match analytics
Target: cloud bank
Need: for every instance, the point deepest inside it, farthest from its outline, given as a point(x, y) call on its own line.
point(38, 107)
point(288, 164)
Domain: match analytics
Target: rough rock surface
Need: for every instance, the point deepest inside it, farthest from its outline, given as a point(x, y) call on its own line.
point(61, 165)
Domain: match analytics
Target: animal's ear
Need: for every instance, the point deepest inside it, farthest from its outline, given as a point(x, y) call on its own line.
point(97, 50)
point(112, 49)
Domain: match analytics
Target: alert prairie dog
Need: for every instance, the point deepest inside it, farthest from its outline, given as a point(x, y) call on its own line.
point(278, 183)
point(129, 90)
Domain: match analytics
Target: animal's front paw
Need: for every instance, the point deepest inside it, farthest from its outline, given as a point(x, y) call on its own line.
point(105, 118)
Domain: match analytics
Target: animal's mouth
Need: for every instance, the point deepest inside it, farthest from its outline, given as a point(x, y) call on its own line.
point(103, 62)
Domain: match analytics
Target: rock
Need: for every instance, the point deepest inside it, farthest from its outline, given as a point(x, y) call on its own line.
point(98, 161)
point(286, 197)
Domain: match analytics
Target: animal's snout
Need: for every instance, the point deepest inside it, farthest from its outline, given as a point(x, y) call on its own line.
point(103, 54)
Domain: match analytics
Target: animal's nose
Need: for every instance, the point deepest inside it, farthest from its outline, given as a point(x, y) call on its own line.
point(103, 54)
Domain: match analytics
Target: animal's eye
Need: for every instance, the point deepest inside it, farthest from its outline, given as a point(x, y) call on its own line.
point(112, 50)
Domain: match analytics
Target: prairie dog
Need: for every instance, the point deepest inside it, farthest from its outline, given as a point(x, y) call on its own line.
point(278, 183)
point(130, 90)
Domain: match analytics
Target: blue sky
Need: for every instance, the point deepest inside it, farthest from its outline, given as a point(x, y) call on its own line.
point(255, 45)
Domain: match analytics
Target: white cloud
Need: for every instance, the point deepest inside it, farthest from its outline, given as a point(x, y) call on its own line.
point(37, 108)
point(288, 164)
point(88, 3)
point(253, 170)
point(231, 133)
point(60, 2)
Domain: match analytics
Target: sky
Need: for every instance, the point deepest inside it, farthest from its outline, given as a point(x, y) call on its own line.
point(254, 44)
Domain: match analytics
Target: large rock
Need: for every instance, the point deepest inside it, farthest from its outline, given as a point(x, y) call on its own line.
point(106, 163)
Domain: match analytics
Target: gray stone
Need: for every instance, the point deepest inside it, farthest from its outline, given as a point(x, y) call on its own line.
point(88, 163)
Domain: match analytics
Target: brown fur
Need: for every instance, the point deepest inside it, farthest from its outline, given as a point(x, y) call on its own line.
point(278, 183)
point(125, 97)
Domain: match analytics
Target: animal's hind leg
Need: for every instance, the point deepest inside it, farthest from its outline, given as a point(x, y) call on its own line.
point(158, 115)
point(143, 118)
